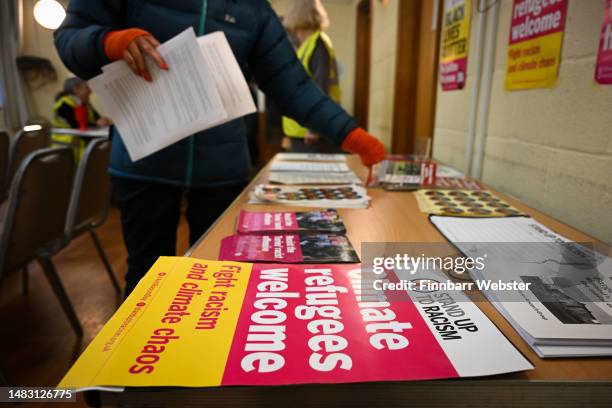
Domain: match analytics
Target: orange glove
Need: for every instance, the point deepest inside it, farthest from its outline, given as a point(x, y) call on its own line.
point(369, 148)
point(132, 45)
point(116, 42)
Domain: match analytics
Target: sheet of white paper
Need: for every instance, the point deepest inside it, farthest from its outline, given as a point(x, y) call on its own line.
point(231, 84)
point(179, 102)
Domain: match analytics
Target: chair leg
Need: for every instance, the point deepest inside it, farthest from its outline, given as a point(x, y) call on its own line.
point(58, 288)
point(25, 273)
point(4, 382)
point(107, 265)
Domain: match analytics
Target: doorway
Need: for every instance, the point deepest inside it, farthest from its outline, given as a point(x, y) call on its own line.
point(416, 75)
point(362, 62)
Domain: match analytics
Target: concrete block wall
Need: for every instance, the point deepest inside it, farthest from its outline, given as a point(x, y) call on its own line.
point(551, 148)
point(382, 76)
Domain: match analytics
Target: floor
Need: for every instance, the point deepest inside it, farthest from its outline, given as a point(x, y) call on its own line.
point(38, 345)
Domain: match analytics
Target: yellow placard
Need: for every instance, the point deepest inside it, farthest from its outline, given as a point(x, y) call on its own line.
point(455, 44)
point(172, 330)
point(455, 30)
point(534, 63)
point(534, 49)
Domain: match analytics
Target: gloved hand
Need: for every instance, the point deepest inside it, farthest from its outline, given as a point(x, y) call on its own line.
point(132, 45)
point(369, 148)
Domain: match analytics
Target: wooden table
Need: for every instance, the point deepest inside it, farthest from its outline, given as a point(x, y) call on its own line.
point(395, 217)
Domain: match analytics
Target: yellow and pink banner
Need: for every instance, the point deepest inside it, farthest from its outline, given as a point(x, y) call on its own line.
point(536, 37)
point(198, 323)
point(455, 42)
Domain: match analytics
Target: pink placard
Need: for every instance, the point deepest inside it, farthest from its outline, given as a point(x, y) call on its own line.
point(308, 325)
point(603, 69)
point(453, 74)
point(262, 248)
point(251, 221)
point(531, 19)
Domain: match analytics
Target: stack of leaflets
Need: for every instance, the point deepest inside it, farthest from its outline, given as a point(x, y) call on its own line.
point(400, 173)
point(556, 293)
point(313, 177)
point(352, 196)
point(288, 248)
point(255, 222)
point(295, 166)
point(311, 169)
point(289, 237)
point(312, 157)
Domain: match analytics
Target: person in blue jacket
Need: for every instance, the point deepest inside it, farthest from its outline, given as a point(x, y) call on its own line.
point(210, 168)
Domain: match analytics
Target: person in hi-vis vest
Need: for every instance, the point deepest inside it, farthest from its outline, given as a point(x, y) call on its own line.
point(305, 22)
point(72, 110)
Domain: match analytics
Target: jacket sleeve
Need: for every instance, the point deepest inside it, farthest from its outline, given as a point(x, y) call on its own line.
point(281, 76)
point(80, 38)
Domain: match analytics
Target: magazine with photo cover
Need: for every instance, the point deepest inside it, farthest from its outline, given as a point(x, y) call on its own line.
point(288, 248)
point(290, 222)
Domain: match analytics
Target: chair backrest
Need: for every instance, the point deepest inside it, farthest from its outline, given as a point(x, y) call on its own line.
point(25, 142)
point(5, 143)
point(37, 208)
point(91, 191)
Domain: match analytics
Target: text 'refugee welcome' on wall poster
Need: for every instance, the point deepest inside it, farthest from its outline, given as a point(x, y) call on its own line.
point(197, 323)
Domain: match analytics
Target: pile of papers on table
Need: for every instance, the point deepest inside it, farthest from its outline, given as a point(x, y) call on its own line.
point(311, 169)
point(566, 311)
point(350, 196)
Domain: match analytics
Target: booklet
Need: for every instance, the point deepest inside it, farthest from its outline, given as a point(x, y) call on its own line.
point(288, 248)
point(290, 222)
point(204, 87)
point(203, 323)
point(316, 196)
point(566, 311)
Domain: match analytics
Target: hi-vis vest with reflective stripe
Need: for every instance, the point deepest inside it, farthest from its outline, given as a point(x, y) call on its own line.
point(290, 127)
point(59, 139)
point(58, 121)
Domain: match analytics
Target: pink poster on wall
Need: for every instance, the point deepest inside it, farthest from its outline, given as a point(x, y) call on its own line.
point(603, 69)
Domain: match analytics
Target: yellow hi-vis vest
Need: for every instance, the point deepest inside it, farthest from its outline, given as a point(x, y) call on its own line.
point(290, 127)
point(58, 139)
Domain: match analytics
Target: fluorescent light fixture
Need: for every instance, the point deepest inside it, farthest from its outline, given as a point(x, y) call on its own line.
point(32, 128)
point(49, 13)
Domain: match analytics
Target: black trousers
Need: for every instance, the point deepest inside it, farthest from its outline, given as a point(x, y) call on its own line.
point(150, 215)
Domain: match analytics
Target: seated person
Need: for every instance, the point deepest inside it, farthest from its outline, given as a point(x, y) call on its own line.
point(73, 110)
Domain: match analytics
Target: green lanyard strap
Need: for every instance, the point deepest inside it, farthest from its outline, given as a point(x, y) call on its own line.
point(202, 26)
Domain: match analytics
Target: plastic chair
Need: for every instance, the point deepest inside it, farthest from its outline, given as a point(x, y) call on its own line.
point(36, 217)
point(90, 199)
point(26, 141)
point(5, 143)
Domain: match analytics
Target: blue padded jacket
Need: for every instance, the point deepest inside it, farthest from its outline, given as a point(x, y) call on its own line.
point(218, 156)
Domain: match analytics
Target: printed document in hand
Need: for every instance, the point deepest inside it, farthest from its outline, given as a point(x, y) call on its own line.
point(204, 87)
point(567, 310)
